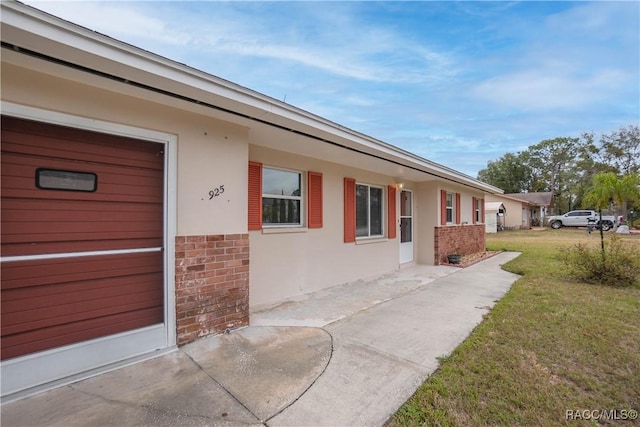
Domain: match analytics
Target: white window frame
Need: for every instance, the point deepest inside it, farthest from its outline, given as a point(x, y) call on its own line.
point(280, 196)
point(451, 208)
point(382, 212)
point(478, 212)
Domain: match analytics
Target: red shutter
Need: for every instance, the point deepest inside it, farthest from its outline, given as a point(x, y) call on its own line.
point(443, 207)
point(349, 210)
point(314, 185)
point(457, 208)
point(392, 214)
point(482, 210)
point(255, 196)
point(473, 210)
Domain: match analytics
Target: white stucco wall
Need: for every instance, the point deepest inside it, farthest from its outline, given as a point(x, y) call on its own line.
point(210, 153)
point(213, 153)
point(293, 262)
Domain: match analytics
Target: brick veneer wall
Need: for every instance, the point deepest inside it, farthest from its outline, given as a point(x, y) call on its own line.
point(212, 284)
point(464, 239)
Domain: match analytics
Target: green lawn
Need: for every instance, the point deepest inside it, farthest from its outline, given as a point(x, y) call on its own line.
point(551, 345)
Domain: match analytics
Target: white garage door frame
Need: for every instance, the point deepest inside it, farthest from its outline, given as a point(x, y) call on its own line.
point(40, 371)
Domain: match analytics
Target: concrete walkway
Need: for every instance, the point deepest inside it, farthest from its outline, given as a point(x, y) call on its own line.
point(346, 356)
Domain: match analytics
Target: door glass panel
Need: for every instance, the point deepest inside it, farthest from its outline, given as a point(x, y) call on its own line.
point(405, 230)
point(405, 203)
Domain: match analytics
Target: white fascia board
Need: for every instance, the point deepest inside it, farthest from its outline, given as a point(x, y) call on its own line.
point(33, 29)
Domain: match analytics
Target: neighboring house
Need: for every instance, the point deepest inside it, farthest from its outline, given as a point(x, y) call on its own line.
point(494, 216)
point(522, 210)
point(539, 204)
point(146, 204)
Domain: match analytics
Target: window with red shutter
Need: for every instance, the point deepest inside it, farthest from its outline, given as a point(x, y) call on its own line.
point(349, 210)
point(255, 196)
point(474, 210)
point(314, 185)
point(443, 207)
point(392, 213)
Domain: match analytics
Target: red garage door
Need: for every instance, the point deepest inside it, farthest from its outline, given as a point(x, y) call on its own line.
point(82, 236)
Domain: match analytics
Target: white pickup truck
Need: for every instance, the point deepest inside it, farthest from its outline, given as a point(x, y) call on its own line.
point(581, 218)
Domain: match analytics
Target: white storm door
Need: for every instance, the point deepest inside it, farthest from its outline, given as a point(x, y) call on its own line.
point(406, 226)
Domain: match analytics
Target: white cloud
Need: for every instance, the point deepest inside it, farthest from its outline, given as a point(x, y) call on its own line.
point(547, 89)
point(330, 39)
point(121, 20)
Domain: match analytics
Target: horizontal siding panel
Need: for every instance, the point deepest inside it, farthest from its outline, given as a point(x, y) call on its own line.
point(87, 216)
point(27, 320)
point(28, 137)
point(70, 228)
point(41, 296)
point(47, 272)
point(18, 345)
point(19, 181)
point(105, 148)
point(86, 205)
point(57, 150)
point(55, 247)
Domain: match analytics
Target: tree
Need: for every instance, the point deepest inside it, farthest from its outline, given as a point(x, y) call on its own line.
point(608, 189)
point(509, 173)
point(566, 166)
point(555, 159)
point(621, 149)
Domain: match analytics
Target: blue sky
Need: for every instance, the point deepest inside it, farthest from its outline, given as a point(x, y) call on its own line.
point(459, 83)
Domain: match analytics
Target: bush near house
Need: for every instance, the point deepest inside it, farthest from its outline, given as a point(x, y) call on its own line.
point(551, 347)
point(617, 265)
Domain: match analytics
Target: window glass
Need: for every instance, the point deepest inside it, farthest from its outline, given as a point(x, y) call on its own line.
point(51, 179)
point(369, 211)
point(362, 210)
point(449, 207)
point(280, 211)
point(280, 183)
point(376, 211)
point(281, 197)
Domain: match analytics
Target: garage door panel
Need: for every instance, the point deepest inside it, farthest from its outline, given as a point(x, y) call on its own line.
point(19, 216)
point(20, 178)
point(42, 296)
point(82, 230)
point(24, 274)
point(51, 296)
point(55, 247)
point(109, 180)
point(88, 205)
point(62, 312)
point(27, 137)
point(57, 336)
point(105, 152)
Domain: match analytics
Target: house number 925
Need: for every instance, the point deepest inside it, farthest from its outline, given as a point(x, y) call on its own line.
point(216, 192)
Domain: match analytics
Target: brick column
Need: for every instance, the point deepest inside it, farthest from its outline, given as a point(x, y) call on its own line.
point(463, 239)
point(212, 284)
